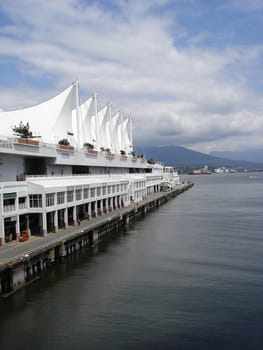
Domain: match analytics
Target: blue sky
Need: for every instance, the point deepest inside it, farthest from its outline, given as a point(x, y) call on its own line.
point(189, 71)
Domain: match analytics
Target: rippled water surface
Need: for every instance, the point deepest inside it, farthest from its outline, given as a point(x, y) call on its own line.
point(187, 276)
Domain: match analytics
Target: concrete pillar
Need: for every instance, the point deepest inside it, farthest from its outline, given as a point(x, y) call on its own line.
point(65, 217)
point(17, 227)
point(89, 210)
point(101, 206)
point(96, 208)
point(55, 228)
point(18, 277)
point(44, 224)
point(27, 225)
point(74, 215)
point(62, 250)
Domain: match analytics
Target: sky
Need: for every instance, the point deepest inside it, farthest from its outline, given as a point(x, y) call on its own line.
point(189, 72)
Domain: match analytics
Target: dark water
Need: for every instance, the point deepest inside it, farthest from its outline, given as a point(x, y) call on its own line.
point(187, 276)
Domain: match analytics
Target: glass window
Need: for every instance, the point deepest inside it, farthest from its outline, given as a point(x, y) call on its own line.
point(78, 195)
point(35, 201)
point(86, 193)
point(61, 197)
point(70, 195)
point(50, 199)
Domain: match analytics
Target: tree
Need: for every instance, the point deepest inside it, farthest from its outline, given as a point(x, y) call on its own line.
point(88, 145)
point(64, 142)
point(23, 131)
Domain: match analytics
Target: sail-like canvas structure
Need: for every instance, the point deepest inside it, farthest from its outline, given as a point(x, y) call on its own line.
point(51, 120)
point(62, 117)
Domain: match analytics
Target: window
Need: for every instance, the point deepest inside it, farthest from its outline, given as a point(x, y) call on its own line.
point(92, 192)
point(70, 195)
point(61, 197)
point(22, 202)
point(50, 199)
point(98, 191)
point(109, 189)
point(104, 190)
point(78, 195)
point(86, 193)
point(113, 189)
point(35, 201)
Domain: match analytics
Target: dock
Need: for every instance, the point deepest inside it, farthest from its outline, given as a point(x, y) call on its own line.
point(21, 263)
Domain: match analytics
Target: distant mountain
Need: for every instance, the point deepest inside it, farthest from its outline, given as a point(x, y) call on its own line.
point(181, 156)
point(254, 155)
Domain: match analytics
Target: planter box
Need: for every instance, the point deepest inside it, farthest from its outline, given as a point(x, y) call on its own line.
point(66, 148)
point(123, 157)
point(92, 152)
point(28, 142)
point(110, 155)
point(134, 159)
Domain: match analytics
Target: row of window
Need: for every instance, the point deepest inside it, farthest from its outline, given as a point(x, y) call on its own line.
point(35, 201)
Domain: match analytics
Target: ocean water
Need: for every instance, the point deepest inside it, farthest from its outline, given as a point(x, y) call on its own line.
point(187, 276)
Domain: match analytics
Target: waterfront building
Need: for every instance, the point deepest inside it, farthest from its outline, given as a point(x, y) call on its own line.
point(69, 162)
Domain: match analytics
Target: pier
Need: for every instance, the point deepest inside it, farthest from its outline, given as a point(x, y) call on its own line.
point(21, 263)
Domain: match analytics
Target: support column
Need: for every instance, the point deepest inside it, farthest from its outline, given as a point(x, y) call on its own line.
point(2, 231)
point(96, 209)
point(89, 210)
point(27, 225)
point(17, 227)
point(65, 218)
point(44, 224)
point(55, 221)
point(74, 215)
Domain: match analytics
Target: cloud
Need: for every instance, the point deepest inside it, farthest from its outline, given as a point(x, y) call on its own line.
point(127, 51)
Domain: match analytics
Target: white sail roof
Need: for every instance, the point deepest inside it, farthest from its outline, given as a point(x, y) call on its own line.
point(62, 117)
point(52, 120)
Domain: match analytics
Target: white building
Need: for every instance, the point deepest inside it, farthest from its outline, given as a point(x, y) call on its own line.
point(45, 186)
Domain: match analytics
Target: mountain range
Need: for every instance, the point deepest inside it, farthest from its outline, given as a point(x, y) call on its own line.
point(254, 155)
point(181, 156)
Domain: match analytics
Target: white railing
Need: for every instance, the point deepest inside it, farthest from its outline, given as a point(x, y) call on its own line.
point(10, 207)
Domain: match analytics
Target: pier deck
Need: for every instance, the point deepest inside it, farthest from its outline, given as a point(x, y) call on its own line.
point(16, 254)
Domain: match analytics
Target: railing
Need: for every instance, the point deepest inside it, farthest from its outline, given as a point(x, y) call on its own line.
point(10, 207)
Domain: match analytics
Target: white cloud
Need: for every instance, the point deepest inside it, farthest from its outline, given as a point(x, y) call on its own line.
point(195, 96)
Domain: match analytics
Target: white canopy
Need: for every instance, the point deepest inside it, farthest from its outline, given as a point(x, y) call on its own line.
point(52, 120)
point(63, 117)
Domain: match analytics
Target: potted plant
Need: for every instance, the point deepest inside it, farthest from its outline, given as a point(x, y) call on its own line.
point(90, 148)
point(123, 154)
point(64, 145)
point(108, 153)
point(25, 135)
